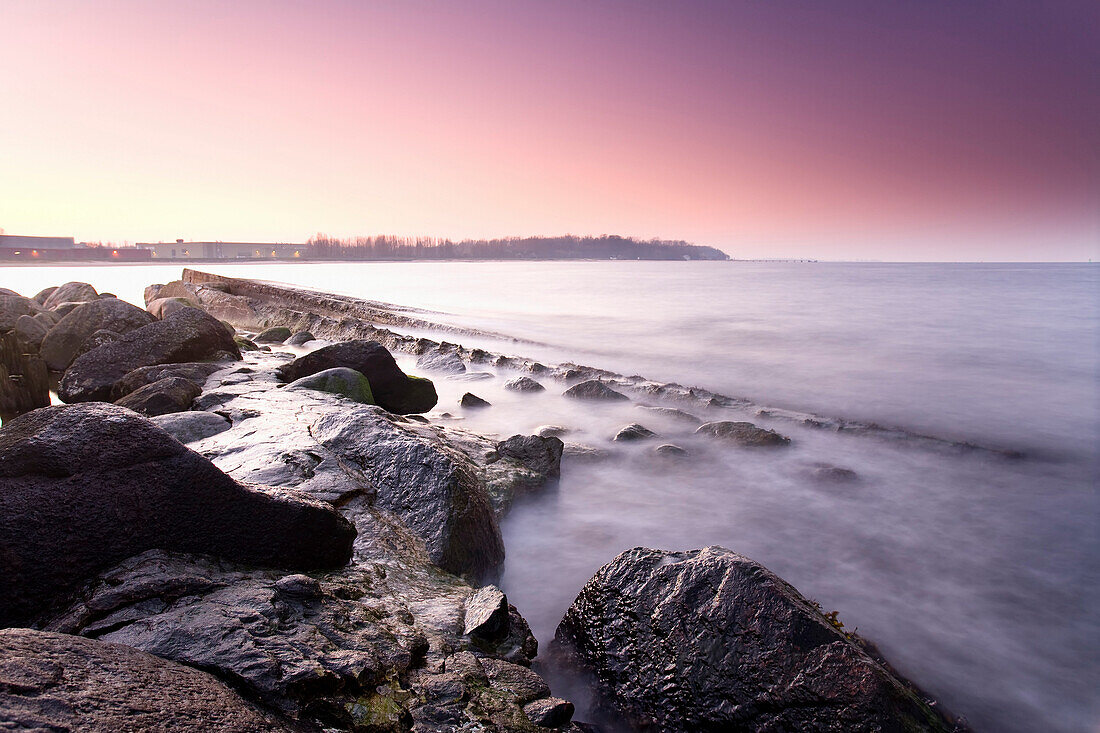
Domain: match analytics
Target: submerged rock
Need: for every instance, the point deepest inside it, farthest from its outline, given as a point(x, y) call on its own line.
point(393, 389)
point(594, 389)
point(709, 640)
point(524, 384)
point(274, 335)
point(551, 431)
point(185, 336)
point(743, 433)
point(441, 361)
point(668, 449)
point(672, 412)
point(57, 682)
point(633, 432)
point(339, 381)
point(164, 396)
point(302, 337)
point(471, 400)
point(84, 486)
point(61, 346)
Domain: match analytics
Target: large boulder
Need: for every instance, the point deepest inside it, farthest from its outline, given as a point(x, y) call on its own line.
point(161, 308)
point(162, 397)
point(44, 293)
point(84, 486)
point(24, 379)
point(743, 433)
point(193, 371)
point(709, 640)
point(61, 344)
point(187, 335)
point(341, 381)
point(523, 384)
point(12, 307)
point(31, 330)
point(393, 389)
point(539, 454)
point(71, 292)
point(57, 682)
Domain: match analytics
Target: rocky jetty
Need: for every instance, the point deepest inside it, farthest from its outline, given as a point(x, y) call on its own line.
point(709, 640)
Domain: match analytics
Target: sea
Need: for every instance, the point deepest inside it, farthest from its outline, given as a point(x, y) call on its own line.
point(967, 548)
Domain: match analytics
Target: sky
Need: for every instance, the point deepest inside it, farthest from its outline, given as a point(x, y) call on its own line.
point(877, 129)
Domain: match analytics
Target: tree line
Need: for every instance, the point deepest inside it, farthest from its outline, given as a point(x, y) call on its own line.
point(568, 247)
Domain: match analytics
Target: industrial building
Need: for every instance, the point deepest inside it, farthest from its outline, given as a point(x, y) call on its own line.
point(180, 250)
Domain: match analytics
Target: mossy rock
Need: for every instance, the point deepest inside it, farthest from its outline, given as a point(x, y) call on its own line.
point(418, 395)
point(245, 344)
point(339, 380)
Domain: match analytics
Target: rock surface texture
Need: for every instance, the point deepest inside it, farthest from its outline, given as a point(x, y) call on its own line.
point(743, 433)
point(56, 682)
point(709, 640)
point(62, 344)
point(85, 486)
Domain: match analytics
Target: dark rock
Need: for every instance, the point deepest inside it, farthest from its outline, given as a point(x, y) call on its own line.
point(163, 307)
point(341, 381)
point(827, 474)
point(195, 371)
point(24, 379)
point(43, 294)
point(594, 389)
point(525, 684)
point(668, 449)
point(12, 307)
point(480, 356)
point(95, 340)
point(299, 586)
point(165, 396)
point(245, 344)
point(486, 612)
point(523, 384)
point(84, 486)
point(57, 682)
point(188, 427)
point(550, 712)
point(393, 389)
point(634, 432)
point(64, 340)
point(31, 331)
point(9, 291)
point(274, 335)
point(541, 455)
point(709, 640)
point(72, 292)
point(472, 400)
point(300, 338)
point(187, 335)
point(447, 362)
point(743, 433)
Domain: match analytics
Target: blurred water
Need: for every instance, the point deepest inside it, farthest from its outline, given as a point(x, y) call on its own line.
point(977, 575)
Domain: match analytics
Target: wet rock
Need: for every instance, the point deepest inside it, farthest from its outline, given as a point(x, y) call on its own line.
point(62, 344)
point(743, 433)
point(274, 335)
point(245, 344)
point(594, 389)
point(551, 431)
point(31, 331)
point(486, 612)
point(162, 397)
point(195, 371)
point(441, 361)
point(57, 682)
point(581, 452)
point(471, 400)
point(633, 432)
point(668, 449)
point(523, 384)
point(340, 381)
point(710, 640)
point(829, 474)
point(161, 308)
point(672, 412)
point(520, 681)
point(192, 426)
point(302, 337)
point(43, 294)
point(471, 377)
point(83, 486)
point(550, 712)
point(393, 389)
point(24, 379)
point(185, 336)
point(12, 307)
point(71, 292)
point(541, 455)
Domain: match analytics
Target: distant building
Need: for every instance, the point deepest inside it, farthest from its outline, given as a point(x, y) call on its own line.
point(15, 241)
point(180, 250)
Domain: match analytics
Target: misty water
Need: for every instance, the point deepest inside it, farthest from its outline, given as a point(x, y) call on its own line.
point(977, 574)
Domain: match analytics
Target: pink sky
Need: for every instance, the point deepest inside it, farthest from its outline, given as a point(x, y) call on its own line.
point(852, 130)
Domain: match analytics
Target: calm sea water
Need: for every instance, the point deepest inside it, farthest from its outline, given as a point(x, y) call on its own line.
point(977, 575)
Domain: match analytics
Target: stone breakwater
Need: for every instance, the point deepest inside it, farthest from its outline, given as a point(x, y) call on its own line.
point(293, 545)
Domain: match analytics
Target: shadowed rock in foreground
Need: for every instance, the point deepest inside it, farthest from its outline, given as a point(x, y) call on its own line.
point(709, 640)
point(55, 682)
point(84, 486)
